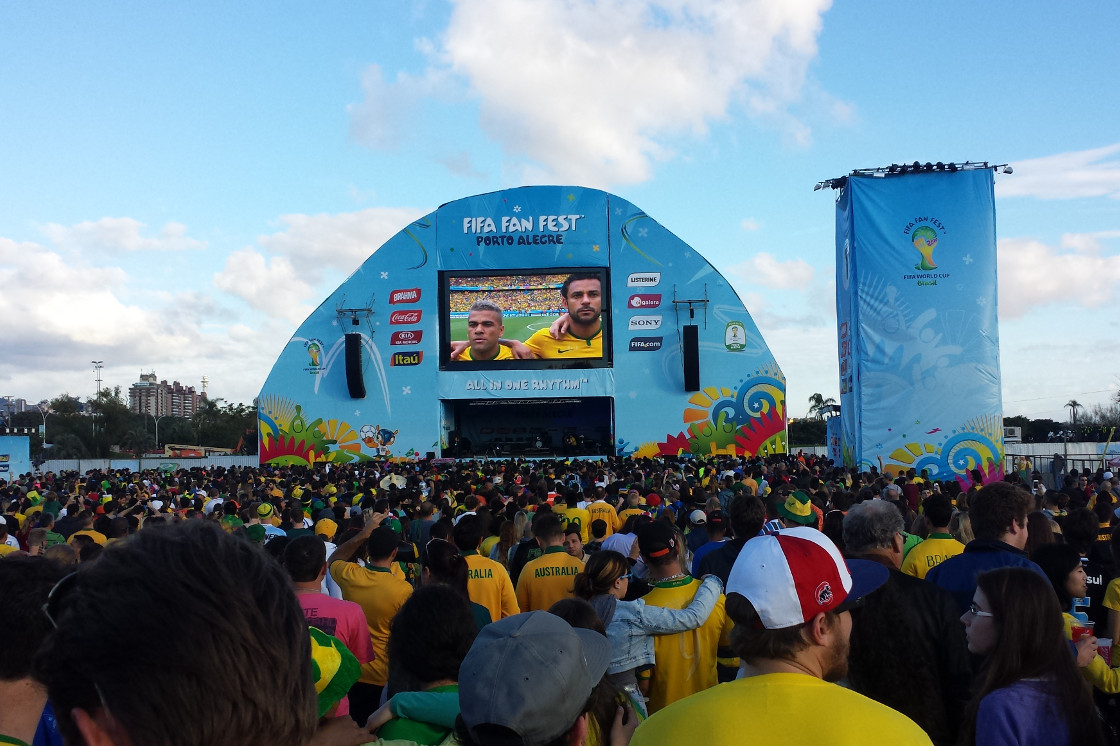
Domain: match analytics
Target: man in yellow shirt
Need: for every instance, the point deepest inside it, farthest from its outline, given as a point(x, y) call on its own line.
point(550, 577)
point(484, 332)
point(572, 514)
point(488, 583)
point(583, 298)
point(940, 545)
point(788, 595)
point(685, 661)
point(602, 510)
point(381, 594)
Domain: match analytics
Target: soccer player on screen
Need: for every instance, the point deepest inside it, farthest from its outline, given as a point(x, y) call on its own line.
point(484, 331)
point(583, 297)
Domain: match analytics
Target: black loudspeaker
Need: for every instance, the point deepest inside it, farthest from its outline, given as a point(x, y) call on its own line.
point(690, 350)
point(354, 381)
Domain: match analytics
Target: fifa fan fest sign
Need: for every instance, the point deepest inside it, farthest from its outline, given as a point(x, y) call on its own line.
point(918, 331)
point(537, 321)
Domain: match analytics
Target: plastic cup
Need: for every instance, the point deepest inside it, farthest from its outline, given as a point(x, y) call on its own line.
point(1081, 629)
point(1104, 649)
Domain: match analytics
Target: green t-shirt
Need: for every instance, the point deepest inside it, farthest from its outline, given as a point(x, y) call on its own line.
point(421, 731)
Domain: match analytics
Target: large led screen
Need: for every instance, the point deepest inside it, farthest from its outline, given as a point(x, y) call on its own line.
point(506, 320)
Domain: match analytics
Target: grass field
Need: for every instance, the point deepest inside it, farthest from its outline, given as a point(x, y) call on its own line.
point(517, 327)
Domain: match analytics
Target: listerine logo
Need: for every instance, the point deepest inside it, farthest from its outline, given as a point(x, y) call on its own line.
point(925, 241)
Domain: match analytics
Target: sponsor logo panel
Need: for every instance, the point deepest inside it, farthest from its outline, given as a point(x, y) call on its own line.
point(645, 344)
point(406, 295)
point(644, 300)
point(406, 358)
point(406, 317)
point(406, 337)
point(644, 323)
point(643, 279)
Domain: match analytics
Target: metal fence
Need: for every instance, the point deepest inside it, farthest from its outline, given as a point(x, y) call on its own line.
point(82, 465)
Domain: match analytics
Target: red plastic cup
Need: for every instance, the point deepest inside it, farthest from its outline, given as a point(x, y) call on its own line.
point(1104, 649)
point(1081, 629)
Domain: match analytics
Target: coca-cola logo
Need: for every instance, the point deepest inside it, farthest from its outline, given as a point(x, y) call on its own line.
point(407, 337)
point(405, 317)
point(407, 295)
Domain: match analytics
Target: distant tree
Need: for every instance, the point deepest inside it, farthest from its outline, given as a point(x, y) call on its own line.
point(1073, 406)
point(818, 404)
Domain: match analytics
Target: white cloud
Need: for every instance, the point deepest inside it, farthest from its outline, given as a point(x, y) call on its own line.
point(81, 312)
point(766, 270)
point(1034, 274)
point(1083, 173)
point(341, 241)
point(595, 91)
point(749, 224)
point(267, 284)
point(113, 235)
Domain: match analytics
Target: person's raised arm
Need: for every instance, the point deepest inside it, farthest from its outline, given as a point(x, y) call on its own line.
point(351, 546)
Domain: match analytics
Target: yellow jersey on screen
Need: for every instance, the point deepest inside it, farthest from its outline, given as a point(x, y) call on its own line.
point(544, 346)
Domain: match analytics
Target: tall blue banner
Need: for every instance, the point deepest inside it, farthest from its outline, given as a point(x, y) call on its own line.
point(918, 333)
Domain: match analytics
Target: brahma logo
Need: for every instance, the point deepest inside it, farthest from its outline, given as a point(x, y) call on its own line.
point(643, 279)
point(405, 317)
point(645, 344)
point(643, 323)
point(406, 358)
point(408, 295)
point(407, 337)
point(644, 300)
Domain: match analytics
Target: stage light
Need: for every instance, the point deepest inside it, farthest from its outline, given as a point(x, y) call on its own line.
point(917, 166)
point(929, 166)
point(354, 321)
point(1008, 170)
point(952, 168)
point(939, 166)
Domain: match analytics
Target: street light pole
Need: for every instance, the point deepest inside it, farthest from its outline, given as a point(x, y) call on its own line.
point(97, 365)
point(44, 423)
point(157, 419)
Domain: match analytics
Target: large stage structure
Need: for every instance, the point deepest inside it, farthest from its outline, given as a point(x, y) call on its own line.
point(678, 366)
point(918, 331)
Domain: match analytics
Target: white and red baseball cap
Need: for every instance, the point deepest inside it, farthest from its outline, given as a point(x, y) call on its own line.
point(792, 576)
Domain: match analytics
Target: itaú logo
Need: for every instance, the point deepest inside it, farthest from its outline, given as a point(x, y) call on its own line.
point(406, 358)
point(644, 300)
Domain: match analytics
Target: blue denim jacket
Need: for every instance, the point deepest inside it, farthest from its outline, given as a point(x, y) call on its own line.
point(630, 631)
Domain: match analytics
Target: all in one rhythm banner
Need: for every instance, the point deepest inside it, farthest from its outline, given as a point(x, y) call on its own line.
point(918, 332)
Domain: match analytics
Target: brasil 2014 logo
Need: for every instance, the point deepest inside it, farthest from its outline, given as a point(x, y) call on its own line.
point(925, 241)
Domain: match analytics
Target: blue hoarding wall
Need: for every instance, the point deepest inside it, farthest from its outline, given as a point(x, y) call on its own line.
point(15, 458)
point(917, 325)
point(397, 302)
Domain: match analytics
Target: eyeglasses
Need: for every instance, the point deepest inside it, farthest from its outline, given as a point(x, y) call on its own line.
point(53, 608)
point(627, 576)
point(975, 610)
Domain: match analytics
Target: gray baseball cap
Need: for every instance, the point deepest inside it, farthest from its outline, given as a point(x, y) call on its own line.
point(531, 673)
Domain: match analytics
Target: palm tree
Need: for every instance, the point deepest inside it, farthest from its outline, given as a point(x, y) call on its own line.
point(1073, 405)
point(818, 404)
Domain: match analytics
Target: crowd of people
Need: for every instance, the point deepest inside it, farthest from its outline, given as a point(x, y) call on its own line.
point(779, 600)
point(520, 294)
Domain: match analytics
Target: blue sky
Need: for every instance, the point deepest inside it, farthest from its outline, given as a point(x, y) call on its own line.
point(183, 184)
